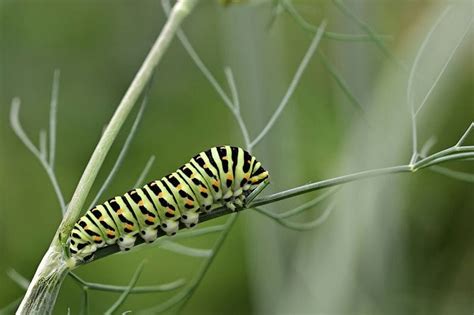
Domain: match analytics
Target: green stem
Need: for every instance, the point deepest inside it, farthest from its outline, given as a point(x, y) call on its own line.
point(179, 12)
point(44, 287)
point(328, 183)
point(42, 292)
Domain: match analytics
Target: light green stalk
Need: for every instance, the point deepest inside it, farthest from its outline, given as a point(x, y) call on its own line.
point(44, 288)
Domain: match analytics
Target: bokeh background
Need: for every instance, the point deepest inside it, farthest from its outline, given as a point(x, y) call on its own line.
point(399, 244)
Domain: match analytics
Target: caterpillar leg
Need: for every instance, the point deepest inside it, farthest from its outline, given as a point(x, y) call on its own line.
point(170, 227)
point(87, 252)
point(126, 242)
point(207, 207)
point(231, 205)
point(238, 192)
point(239, 200)
point(190, 219)
point(149, 234)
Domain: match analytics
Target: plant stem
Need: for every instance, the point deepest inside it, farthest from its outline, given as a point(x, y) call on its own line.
point(44, 287)
point(179, 12)
point(43, 290)
point(328, 183)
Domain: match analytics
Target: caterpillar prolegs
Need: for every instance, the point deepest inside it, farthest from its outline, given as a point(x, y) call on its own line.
point(220, 176)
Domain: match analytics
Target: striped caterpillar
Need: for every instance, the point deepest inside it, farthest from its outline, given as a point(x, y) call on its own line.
point(220, 176)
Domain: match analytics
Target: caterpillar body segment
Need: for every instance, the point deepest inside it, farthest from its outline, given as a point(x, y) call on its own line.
point(220, 176)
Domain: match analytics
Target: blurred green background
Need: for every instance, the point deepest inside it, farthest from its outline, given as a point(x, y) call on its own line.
point(401, 244)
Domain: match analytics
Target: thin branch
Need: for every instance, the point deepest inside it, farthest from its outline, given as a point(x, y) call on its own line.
point(53, 117)
point(291, 10)
point(449, 154)
point(18, 278)
point(465, 135)
point(118, 288)
point(446, 152)
point(18, 129)
point(304, 62)
point(184, 250)
point(374, 36)
point(305, 226)
point(467, 177)
point(463, 176)
point(443, 69)
point(85, 301)
point(42, 144)
point(324, 60)
point(197, 60)
point(277, 9)
point(125, 147)
point(236, 106)
point(451, 157)
point(144, 172)
point(126, 293)
point(410, 84)
point(328, 183)
point(306, 206)
point(340, 82)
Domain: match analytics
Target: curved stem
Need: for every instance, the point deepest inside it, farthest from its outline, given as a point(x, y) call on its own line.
point(119, 288)
point(18, 129)
point(327, 34)
point(294, 82)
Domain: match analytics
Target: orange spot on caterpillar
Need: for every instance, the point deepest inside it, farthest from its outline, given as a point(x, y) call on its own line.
point(120, 211)
point(97, 238)
point(129, 226)
point(140, 203)
point(230, 176)
point(202, 189)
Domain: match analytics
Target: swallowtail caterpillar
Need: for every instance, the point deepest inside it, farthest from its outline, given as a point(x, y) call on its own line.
point(221, 176)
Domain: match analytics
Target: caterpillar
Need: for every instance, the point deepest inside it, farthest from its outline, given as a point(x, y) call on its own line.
point(221, 176)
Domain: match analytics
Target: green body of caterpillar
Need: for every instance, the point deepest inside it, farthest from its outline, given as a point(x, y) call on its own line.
point(220, 176)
